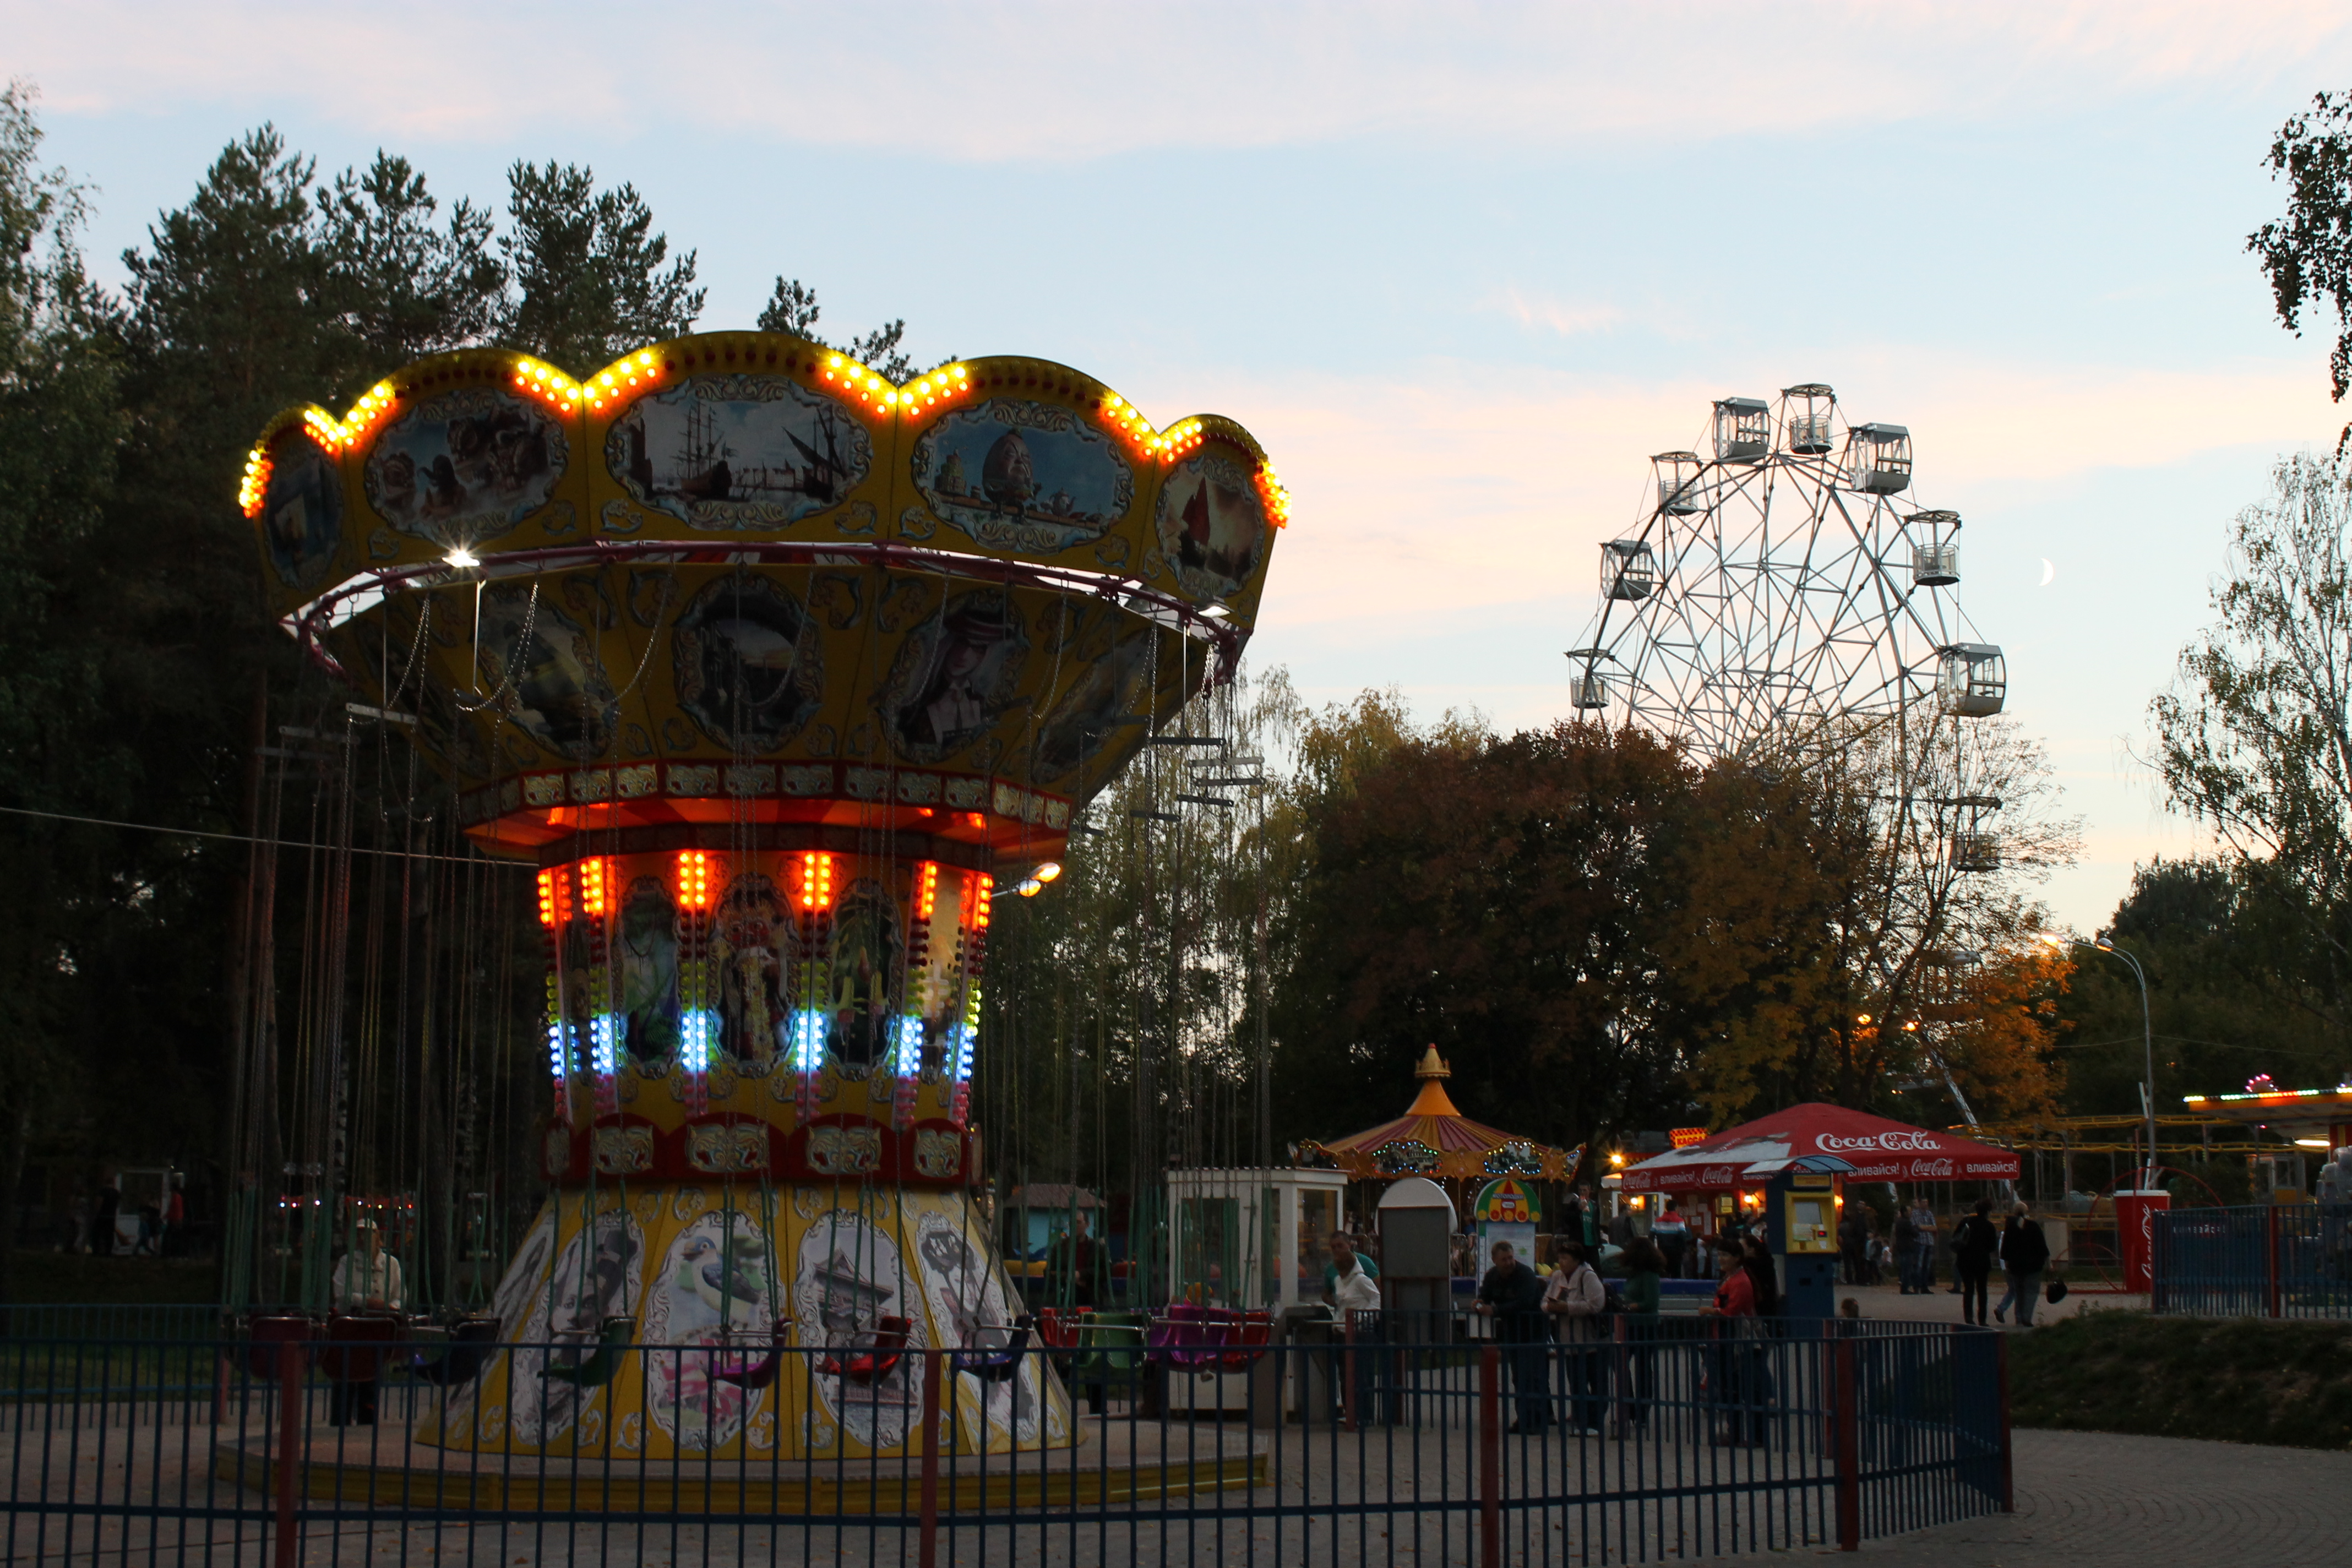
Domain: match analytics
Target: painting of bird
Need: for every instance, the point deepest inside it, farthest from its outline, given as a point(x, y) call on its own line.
point(710, 1289)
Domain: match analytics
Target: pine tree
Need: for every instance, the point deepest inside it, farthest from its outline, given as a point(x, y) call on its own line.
point(588, 270)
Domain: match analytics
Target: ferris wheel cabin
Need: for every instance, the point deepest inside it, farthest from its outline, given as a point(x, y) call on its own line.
point(1974, 681)
point(1878, 458)
point(1935, 554)
point(1628, 569)
point(1805, 418)
point(1678, 487)
point(1743, 430)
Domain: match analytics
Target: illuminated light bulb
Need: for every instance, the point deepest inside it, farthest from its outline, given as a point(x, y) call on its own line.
point(1047, 870)
point(834, 362)
point(462, 559)
point(1030, 888)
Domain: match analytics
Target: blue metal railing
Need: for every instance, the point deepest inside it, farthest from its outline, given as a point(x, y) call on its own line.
point(1652, 1439)
point(2261, 1260)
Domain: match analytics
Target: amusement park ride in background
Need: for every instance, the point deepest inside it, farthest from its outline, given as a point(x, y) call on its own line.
point(1781, 603)
point(773, 675)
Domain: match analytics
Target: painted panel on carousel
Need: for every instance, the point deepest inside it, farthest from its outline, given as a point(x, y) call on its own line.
point(1211, 524)
point(749, 661)
point(524, 1281)
point(599, 1274)
point(749, 950)
point(1014, 474)
point(717, 1283)
point(645, 955)
point(729, 452)
point(956, 672)
point(301, 515)
point(1112, 680)
point(463, 466)
point(969, 1301)
point(863, 970)
point(850, 1297)
point(543, 674)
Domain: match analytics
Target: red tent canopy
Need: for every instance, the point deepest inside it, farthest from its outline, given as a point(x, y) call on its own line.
point(1820, 1136)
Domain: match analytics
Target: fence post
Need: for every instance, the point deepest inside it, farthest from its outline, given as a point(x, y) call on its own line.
point(2271, 1261)
point(1846, 1412)
point(220, 1387)
point(1490, 1456)
point(2001, 1383)
point(1348, 1369)
point(930, 1546)
point(291, 1397)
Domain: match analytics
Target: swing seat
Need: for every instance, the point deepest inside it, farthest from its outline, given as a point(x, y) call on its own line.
point(1057, 1330)
point(747, 1374)
point(612, 1345)
point(877, 1357)
point(1250, 1338)
point(1110, 1346)
point(459, 1358)
point(353, 1350)
point(264, 1335)
point(995, 1364)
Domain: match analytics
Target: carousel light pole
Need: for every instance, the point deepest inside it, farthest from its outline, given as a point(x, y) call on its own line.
point(2147, 1040)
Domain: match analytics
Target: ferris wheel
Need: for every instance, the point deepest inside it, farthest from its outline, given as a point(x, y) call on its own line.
point(1781, 582)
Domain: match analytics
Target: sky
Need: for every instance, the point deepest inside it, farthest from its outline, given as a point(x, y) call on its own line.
point(1460, 268)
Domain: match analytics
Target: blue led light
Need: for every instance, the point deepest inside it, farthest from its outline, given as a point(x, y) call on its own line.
point(697, 1030)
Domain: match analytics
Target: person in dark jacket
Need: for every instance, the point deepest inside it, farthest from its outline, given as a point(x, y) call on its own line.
point(2024, 1254)
point(1974, 1242)
point(1513, 1297)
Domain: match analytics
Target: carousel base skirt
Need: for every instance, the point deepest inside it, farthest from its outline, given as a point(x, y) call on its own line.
point(385, 1468)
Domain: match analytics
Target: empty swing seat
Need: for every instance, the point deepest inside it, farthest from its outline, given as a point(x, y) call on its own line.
point(265, 1335)
point(598, 1369)
point(876, 1359)
point(459, 1359)
point(353, 1349)
point(994, 1364)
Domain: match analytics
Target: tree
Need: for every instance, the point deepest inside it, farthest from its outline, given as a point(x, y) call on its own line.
point(398, 286)
point(587, 268)
point(2307, 255)
point(793, 308)
point(2255, 739)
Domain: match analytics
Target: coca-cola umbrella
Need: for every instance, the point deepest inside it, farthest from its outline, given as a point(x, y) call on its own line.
point(1817, 1137)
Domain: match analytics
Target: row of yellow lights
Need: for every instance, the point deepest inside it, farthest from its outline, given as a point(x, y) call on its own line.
point(926, 392)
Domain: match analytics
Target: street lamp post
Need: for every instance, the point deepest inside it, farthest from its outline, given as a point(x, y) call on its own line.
point(2147, 1041)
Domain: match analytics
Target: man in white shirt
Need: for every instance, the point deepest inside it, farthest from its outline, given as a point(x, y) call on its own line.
point(366, 1279)
point(1354, 1291)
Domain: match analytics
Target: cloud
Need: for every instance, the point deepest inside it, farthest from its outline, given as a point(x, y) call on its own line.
point(1473, 485)
point(1557, 316)
point(1063, 80)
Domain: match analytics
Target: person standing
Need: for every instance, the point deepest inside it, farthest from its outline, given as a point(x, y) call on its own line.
point(1923, 1247)
point(1637, 1374)
point(1974, 1242)
point(1906, 1244)
point(1356, 1303)
point(1574, 1302)
point(1671, 1233)
point(1511, 1296)
point(365, 1280)
point(1732, 1315)
point(103, 1236)
point(2024, 1254)
point(1852, 1237)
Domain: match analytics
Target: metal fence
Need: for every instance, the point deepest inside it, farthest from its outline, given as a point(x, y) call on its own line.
point(113, 1320)
point(2264, 1260)
point(1677, 1438)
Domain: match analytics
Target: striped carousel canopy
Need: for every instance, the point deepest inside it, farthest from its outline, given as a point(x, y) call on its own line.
point(1434, 1138)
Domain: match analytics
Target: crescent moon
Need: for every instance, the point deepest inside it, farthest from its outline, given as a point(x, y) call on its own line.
point(2048, 572)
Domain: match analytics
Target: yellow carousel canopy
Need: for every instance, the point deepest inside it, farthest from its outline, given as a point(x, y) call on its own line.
point(1434, 1138)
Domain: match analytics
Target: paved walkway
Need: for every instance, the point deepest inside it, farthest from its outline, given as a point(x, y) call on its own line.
point(2087, 1500)
point(1889, 1302)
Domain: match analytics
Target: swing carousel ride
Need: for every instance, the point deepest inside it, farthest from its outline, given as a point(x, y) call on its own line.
point(771, 676)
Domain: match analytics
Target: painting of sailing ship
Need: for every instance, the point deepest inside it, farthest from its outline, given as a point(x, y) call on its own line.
point(465, 466)
point(1212, 525)
point(726, 452)
point(1016, 475)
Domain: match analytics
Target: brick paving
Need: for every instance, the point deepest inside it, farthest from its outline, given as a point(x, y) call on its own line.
point(2087, 1500)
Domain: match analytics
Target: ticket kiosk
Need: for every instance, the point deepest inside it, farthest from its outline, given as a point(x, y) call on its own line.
point(1800, 1224)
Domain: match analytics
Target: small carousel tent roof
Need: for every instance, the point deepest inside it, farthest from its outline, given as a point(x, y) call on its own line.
point(1434, 1138)
point(1817, 1137)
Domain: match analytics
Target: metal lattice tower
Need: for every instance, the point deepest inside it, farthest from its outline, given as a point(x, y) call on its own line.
point(1781, 582)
